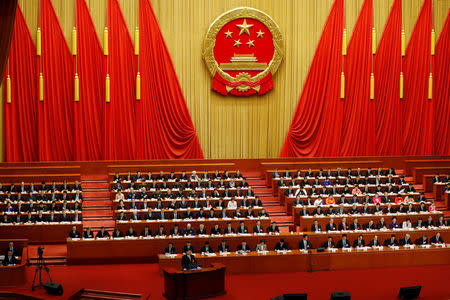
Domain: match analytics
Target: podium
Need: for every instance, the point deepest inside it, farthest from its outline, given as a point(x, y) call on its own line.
point(194, 284)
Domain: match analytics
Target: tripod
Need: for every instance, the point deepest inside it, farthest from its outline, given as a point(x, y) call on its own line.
point(40, 265)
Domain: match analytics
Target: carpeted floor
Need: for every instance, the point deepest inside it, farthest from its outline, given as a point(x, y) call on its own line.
point(362, 284)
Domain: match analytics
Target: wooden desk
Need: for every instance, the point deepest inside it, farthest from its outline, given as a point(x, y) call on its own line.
point(209, 223)
point(204, 283)
point(49, 233)
point(147, 250)
point(297, 261)
point(306, 222)
point(14, 275)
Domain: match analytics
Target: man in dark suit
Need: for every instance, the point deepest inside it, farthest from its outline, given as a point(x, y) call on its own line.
point(423, 240)
point(188, 247)
point(206, 248)
point(359, 242)
point(343, 242)
point(437, 239)
point(281, 246)
point(243, 248)
point(391, 242)
point(74, 233)
point(329, 243)
point(242, 228)
point(304, 243)
point(258, 228)
point(223, 247)
point(189, 230)
point(161, 231)
point(188, 261)
point(9, 259)
point(11, 247)
point(146, 232)
point(229, 229)
point(102, 233)
point(170, 249)
point(343, 225)
point(216, 229)
point(374, 242)
point(406, 240)
point(316, 226)
point(331, 226)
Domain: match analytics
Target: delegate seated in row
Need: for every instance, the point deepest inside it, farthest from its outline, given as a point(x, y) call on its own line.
point(366, 209)
point(40, 217)
point(189, 214)
point(194, 176)
point(196, 204)
point(386, 199)
point(31, 188)
point(36, 207)
point(329, 173)
point(394, 224)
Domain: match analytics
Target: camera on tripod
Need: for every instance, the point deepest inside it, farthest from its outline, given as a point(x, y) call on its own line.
point(40, 252)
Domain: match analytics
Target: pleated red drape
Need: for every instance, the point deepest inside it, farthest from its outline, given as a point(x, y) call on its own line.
point(7, 16)
point(20, 116)
point(120, 140)
point(442, 90)
point(165, 127)
point(56, 111)
point(387, 66)
point(89, 111)
point(315, 128)
point(418, 111)
point(358, 126)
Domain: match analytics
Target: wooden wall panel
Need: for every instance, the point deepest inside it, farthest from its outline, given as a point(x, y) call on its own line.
point(232, 127)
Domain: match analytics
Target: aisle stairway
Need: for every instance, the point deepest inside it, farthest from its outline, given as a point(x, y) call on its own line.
point(97, 210)
point(270, 203)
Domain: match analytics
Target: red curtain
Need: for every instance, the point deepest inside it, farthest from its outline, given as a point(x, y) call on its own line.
point(442, 90)
point(358, 126)
point(20, 116)
point(56, 111)
point(90, 66)
point(120, 141)
point(7, 16)
point(315, 129)
point(165, 129)
point(418, 111)
point(387, 67)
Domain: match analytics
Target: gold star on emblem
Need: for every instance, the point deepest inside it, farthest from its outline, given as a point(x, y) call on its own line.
point(260, 33)
point(237, 43)
point(244, 27)
point(250, 43)
point(228, 34)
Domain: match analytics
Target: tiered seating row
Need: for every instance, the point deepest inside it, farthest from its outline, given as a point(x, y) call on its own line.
point(146, 249)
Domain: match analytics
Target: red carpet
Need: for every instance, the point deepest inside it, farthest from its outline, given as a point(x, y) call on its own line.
point(362, 284)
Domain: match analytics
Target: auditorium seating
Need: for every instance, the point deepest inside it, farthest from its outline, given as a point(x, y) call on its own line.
point(14, 275)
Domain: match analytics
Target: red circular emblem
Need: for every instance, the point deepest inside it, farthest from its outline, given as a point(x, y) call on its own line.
point(243, 49)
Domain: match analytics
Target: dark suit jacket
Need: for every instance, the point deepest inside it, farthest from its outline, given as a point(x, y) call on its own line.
point(75, 234)
point(170, 251)
point(223, 248)
point(189, 262)
point(325, 244)
point(343, 244)
point(434, 240)
point(9, 261)
point(356, 244)
point(302, 246)
point(209, 250)
point(374, 243)
point(278, 246)
point(404, 242)
point(388, 242)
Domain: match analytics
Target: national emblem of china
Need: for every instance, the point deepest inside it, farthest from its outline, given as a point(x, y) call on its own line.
point(243, 49)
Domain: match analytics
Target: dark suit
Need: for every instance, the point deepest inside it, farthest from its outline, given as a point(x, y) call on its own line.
point(390, 242)
point(359, 243)
point(435, 240)
point(328, 244)
point(9, 260)
point(304, 245)
point(374, 243)
point(404, 242)
point(188, 262)
point(422, 241)
point(280, 246)
point(343, 244)
point(170, 250)
point(209, 250)
point(258, 229)
point(222, 248)
point(73, 234)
